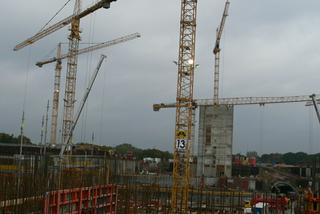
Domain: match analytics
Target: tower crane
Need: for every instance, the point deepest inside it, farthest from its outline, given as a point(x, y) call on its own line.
point(184, 99)
point(74, 39)
point(216, 52)
point(58, 59)
point(55, 100)
point(71, 75)
point(91, 48)
point(240, 101)
point(83, 102)
point(47, 31)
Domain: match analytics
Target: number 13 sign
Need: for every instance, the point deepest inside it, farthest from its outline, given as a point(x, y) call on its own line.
point(181, 140)
point(181, 144)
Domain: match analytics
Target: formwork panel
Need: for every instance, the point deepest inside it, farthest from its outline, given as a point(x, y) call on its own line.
point(97, 199)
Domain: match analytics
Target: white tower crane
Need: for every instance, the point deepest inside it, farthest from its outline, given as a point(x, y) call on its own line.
point(58, 59)
point(216, 52)
point(83, 102)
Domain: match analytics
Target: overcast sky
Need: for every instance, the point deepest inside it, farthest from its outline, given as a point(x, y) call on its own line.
point(269, 48)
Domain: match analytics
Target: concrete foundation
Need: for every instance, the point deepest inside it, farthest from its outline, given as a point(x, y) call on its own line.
point(215, 141)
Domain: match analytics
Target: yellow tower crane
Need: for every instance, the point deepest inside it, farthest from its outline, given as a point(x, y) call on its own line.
point(58, 59)
point(72, 57)
point(71, 76)
point(53, 28)
point(184, 108)
point(216, 52)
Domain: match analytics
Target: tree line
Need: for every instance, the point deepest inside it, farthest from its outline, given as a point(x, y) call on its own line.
point(298, 158)
point(10, 138)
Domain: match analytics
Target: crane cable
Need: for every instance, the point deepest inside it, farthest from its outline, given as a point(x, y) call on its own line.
point(65, 4)
point(24, 103)
point(89, 66)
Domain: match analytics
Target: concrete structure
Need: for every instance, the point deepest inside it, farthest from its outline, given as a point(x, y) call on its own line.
point(215, 142)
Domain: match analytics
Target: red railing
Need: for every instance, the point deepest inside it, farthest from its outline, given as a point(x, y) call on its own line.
point(97, 199)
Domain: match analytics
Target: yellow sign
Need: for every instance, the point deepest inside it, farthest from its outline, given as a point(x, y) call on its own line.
point(181, 134)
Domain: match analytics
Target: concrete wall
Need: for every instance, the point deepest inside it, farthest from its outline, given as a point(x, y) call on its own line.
point(215, 141)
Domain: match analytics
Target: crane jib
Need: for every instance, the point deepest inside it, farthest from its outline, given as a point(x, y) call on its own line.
point(62, 23)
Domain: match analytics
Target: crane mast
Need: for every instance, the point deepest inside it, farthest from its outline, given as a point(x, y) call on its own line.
point(183, 126)
point(72, 56)
point(55, 100)
point(83, 102)
point(70, 86)
point(58, 59)
point(216, 52)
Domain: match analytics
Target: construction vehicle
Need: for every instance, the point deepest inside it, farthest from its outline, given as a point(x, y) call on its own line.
point(58, 59)
point(278, 203)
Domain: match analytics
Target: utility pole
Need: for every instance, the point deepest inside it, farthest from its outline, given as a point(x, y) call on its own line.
point(46, 124)
point(21, 134)
point(46, 129)
point(42, 127)
point(41, 135)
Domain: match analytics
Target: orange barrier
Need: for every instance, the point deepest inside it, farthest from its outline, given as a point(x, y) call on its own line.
point(312, 203)
point(97, 199)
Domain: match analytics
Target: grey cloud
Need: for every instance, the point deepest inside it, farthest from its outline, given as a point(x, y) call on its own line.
point(269, 48)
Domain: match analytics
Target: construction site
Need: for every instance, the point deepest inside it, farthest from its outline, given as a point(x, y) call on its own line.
point(67, 170)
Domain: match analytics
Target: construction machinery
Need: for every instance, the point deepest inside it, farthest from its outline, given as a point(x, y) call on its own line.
point(278, 203)
point(47, 31)
point(55, 100)
point(58, 59)
point(83, 102)
point(184, 102)
point(239, 101)
point(74, 39)
point(184, 98)
point(216, 52)
point(90, 48)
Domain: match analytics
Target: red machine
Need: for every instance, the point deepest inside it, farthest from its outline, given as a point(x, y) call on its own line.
point(278, 203)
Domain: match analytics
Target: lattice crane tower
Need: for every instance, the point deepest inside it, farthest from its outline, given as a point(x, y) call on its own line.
point(55, 102)
point(70, 86)
point(58, 59)
point(183, 127)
